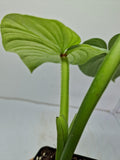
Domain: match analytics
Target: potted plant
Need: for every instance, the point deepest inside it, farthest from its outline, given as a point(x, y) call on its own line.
point(37, 41)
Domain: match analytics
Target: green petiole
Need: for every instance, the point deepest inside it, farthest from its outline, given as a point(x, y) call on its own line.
point(62, 120)
point(64, 102)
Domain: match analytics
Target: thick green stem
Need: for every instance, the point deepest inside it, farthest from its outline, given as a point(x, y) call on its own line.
point(62, 120)
point(98, 86)
point(64, 102)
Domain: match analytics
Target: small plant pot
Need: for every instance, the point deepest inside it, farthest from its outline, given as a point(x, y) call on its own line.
point(48, 153)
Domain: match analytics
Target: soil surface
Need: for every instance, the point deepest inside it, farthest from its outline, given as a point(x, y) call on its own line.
point(48, 153)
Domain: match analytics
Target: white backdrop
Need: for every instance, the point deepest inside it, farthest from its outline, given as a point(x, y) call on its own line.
point(89, 18)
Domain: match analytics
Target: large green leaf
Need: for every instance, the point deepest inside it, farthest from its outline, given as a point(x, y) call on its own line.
point(36, 40)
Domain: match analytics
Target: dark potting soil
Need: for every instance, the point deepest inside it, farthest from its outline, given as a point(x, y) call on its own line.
point(48, 153)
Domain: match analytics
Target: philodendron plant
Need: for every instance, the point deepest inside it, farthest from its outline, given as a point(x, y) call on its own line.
point(38, 40)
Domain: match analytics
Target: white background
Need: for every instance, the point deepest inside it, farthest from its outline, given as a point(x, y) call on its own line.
point(88, 18)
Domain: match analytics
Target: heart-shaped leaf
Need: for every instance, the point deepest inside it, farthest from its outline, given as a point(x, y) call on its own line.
point(91, 67)
point(96, 42)
point(36, 40)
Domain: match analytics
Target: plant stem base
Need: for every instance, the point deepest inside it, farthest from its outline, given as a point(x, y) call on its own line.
point(48, 153)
